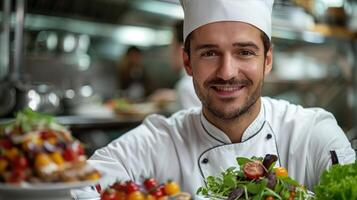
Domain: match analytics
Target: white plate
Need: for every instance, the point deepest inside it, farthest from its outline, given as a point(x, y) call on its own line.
point(41, 191)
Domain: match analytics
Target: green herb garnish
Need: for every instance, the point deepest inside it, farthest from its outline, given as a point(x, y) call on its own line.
point(238, 184)
point(29, 120)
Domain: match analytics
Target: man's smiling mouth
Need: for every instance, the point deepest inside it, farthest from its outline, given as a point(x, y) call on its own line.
point(227, 88)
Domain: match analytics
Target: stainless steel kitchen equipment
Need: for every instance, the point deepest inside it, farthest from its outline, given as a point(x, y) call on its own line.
point(16, 91)
point(7, 97)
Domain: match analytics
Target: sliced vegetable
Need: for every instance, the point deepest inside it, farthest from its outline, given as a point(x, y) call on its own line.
point(253, 170)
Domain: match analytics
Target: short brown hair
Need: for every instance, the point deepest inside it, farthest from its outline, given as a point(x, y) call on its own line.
point(263, 36)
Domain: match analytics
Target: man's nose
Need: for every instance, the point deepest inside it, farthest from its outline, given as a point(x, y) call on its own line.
point(227, 69)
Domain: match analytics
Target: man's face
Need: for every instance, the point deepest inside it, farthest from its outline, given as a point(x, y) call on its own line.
point(228, 67)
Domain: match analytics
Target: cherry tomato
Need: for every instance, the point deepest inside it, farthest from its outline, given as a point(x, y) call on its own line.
point(281, 172)
point(150, 184)
point(17, 176)
point(45, 135)
point(162, 188)
point(158, 192)
point(119, 186)
point(131, 186)
point(69, 154)
point(269, 198)
point(110, 194)
point(80, 150)
point(171, 188)
point(136, 195)
point(20, 162)
point(253, 170)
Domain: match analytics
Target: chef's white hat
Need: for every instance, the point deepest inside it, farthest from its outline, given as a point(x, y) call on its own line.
point(201, 12)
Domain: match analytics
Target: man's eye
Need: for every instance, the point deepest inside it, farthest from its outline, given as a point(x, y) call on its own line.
point(208, 54)
point(246, 53)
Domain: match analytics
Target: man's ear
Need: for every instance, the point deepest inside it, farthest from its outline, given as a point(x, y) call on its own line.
point(268, 61)
point(187, 63)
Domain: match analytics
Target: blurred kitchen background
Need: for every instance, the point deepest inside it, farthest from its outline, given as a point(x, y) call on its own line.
point(62, 56)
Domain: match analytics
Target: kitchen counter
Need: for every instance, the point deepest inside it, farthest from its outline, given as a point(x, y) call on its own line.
point(80, 123)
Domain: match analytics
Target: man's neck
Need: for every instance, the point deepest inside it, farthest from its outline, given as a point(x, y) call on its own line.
point(235, 128)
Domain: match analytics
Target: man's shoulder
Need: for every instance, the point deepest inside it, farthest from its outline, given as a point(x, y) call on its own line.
point(177, 118)
point(292, 119)
point(282, 109)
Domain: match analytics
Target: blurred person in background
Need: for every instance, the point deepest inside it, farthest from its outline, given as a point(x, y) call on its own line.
point(131, 73)
point(184, 92)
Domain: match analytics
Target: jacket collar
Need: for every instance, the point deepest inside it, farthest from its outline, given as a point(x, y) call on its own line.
point(218, 135)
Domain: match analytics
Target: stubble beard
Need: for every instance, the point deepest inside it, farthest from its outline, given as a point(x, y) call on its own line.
point(236, 113)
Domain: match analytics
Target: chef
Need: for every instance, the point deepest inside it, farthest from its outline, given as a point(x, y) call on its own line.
point(228, 54)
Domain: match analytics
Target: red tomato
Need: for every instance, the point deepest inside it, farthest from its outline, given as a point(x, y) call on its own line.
point(110, 194)
point(69, 154)
point(158, 192)
point(253, 170)
point(131, 186)
point(150, 184)
point(119, 186)
point(47, 134)
point(80, 150)
point(162, 188)
point(20, 162)
point(17, 176)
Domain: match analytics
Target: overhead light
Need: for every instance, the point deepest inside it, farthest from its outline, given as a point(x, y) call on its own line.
point(333, 3)
point(313, 37)
point(162, 8)
point(69, 43)
point(142, 36)
point(129, 35)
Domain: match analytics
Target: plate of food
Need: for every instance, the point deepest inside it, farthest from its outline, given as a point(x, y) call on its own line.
point(125, 108)
point(41, 191)
point(40, 159)
point(256, 178)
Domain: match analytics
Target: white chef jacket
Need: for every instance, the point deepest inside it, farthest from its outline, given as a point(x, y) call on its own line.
point(187, 148)
point(186, 95)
